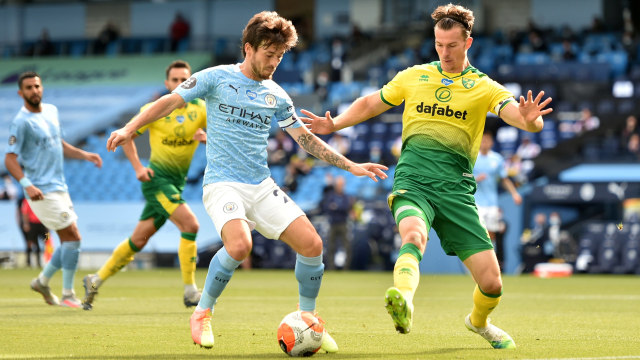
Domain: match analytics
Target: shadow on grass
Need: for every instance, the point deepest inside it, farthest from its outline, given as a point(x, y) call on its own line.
point(211, 354)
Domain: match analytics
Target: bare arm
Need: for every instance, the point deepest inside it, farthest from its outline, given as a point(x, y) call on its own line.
point(364, 108)
point(527, 115)
point(508, 184)
point(321, 150)
point(13, 166)
point(160, 108)
point(143, 173)
point(73, 152)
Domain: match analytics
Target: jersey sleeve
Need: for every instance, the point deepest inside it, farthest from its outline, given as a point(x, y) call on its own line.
point(500, 97)
point(392, 93)
point(286, 114)
point(16, 137)
point(197, 86)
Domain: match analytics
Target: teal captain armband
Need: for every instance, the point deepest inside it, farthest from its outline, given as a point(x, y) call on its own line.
point(25, 182)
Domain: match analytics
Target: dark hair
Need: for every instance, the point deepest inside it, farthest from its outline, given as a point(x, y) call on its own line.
point(448, 16)
point(268, 28)
point(26, 75)
point(178, 64)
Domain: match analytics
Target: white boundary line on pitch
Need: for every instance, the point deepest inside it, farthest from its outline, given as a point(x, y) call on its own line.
point(593, 358)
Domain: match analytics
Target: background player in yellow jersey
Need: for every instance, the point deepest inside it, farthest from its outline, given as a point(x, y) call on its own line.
point(173, 141)
point(446, 103)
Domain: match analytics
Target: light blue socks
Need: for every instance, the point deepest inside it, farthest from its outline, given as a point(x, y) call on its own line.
point(309, 271)
point(220, 271)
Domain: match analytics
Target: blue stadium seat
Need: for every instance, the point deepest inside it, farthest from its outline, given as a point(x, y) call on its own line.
point(379, 131)
point(626, 107)
point(548, 137)
point(630, 251)
point(78, 48)
point(588, 245)
point(507, 139)
point(608, 255)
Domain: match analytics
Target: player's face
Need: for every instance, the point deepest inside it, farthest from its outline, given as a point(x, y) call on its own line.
point(486, 143)
point(452, 49)
point(31, 91)
point(176, 77)
point(264, 61)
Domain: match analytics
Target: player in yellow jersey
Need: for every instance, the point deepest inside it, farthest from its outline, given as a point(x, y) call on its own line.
point(173, 140)
point(446, 103)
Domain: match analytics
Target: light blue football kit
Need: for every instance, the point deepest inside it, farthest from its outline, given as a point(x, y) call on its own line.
point(37, 140)
point(492, 165)
point(239, 116)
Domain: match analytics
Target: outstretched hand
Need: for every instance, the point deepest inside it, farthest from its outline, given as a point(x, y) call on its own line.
point(118, 138)
point(369, 169)
point(318, 124)
point(531, 109)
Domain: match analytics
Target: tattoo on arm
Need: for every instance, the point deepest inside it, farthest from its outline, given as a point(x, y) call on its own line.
point(314, 147)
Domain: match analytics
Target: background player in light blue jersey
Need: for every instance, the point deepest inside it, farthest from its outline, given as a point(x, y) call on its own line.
point(489, 170)
point(238, 193)
point(35, 141)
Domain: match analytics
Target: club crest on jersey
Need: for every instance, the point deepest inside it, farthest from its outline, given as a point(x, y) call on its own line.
point(270, 100)
point(252, 95)
point(180, 119)
point(468, 83)
point(230, 207)
point(447, 82)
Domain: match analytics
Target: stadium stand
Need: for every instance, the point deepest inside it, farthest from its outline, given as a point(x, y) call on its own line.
point(582, 73)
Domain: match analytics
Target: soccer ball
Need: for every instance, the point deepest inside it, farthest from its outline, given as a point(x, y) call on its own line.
point(300, 334)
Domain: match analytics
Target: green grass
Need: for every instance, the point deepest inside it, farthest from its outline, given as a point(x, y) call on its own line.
point(139, 315)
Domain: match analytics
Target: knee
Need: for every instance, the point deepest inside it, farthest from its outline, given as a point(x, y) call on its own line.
point(192, 227)
point(240, 248)
point(493, 286)
point(139, 242)
point(313, 248)
point(416, 237)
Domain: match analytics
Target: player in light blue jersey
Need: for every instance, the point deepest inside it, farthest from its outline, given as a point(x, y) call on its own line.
point(489, 170)
point(238, 193)
point(35, 141)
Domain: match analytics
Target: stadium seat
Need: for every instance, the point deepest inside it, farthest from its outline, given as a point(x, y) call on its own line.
point(629, 252)
point(548, 137)
point(608, 255)
point(507, 139)
point(588, 245)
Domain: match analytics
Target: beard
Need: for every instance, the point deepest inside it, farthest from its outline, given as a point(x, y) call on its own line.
point(262, 75)
point(34, 101)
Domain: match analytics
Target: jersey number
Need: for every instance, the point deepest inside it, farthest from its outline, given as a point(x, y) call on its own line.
point(286, 199)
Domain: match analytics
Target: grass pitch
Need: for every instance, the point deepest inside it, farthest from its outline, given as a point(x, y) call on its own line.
point(140, 315)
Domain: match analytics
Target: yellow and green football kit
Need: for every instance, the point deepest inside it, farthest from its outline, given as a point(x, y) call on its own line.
point(443, 121)
point(172, 148)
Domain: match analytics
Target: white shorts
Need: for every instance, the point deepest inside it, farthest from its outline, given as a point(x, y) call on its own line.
point(265, 207)
point(490, 216)
point(55, 211)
